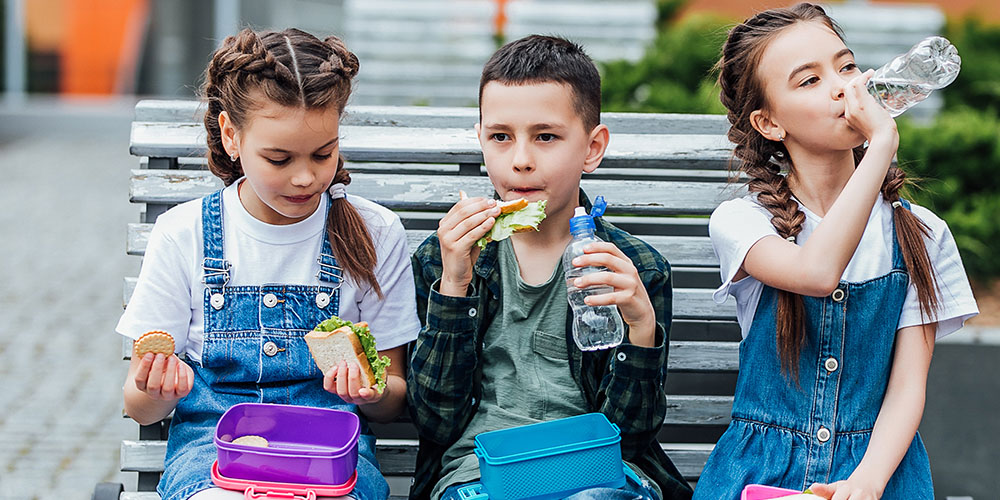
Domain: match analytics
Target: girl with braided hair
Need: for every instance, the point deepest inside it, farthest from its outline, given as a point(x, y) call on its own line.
point(841, 286)
point(240, 276)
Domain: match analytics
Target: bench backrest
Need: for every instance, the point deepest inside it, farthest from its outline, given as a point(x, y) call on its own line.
point(662, 176)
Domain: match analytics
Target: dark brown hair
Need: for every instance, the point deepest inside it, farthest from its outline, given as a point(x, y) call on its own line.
point(295, 69)
point(540, 59)
point(762, 160)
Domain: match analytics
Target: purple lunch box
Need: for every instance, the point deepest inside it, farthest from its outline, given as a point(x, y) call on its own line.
point(305, 445)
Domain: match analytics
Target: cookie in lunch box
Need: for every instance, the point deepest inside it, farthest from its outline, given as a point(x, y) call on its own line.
point(251, 440)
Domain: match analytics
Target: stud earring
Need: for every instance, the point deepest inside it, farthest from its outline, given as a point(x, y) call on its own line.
point(781, 137)
point(233, 156)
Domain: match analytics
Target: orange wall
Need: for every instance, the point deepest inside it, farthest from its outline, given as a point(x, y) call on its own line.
point(987, 10)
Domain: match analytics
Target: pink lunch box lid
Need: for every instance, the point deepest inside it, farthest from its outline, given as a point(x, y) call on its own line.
point(258, 489)
point(761, 492)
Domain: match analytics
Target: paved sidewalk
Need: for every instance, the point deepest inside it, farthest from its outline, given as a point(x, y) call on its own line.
point(63, 179)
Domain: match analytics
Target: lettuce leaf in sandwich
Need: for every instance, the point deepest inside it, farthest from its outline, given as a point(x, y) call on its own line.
point(525, 219)
point(378, 364)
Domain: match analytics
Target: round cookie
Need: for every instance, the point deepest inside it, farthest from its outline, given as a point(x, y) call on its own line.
point(251, 440)
point(156, 342)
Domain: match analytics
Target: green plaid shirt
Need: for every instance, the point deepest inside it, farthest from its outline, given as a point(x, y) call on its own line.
point(444, 382)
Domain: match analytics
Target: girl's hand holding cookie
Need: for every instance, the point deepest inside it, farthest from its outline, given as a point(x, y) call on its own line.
point(163, 377)
point(161, 374)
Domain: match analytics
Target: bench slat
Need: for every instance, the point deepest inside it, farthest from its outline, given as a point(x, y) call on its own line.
point(681, 251)
point(450, 145)
point(396, 457)
point(188, 111)
point(439, 194)
point(689, 303)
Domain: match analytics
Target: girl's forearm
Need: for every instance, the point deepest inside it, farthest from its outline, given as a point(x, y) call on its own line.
point(836, 238)
point(144, 409)
point(902, 407)
point(393, 402)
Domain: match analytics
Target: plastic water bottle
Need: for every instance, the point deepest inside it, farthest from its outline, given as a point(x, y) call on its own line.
point(594, 327)
point(908, 79)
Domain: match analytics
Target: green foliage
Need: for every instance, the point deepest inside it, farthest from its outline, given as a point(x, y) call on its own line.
point(956, 158)
point(674, 76)
point(957, 161)
point(978, 85)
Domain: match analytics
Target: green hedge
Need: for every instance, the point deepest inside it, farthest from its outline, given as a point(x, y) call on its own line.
point(957, 161)
point(672, 76)
point(957, 156)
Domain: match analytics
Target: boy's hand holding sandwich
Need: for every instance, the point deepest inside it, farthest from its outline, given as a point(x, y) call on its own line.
point(470, 225)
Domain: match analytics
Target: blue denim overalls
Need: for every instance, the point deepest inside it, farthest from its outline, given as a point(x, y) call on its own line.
point(792, 436)
point(254, 351)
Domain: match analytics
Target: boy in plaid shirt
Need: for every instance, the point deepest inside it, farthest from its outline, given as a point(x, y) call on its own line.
point(496, 347)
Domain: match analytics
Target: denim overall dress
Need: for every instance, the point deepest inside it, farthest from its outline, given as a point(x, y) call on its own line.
point(255, 352)
point(791, 436)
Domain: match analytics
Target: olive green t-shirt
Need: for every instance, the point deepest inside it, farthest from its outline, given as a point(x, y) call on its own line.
point(526, 376)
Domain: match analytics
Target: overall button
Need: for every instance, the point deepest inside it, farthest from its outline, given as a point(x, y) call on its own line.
point(823, 434)
point(322, 299)
point(270, 300)
point(270, 348)
point(831, 365)
point(217, 301)
point(838, 295)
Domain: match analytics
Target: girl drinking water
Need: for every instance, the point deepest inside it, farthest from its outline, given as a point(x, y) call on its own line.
point(841, 286)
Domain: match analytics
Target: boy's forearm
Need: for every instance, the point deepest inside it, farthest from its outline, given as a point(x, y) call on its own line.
point(633, 395)
point(440, 383)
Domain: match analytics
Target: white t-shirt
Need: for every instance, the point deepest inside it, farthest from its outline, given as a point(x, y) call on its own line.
point(169, 294)
point(737, 224)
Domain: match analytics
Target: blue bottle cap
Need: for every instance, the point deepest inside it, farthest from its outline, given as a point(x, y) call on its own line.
point(599, 206)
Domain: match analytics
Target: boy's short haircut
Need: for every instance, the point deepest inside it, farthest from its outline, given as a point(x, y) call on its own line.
point(541, 59)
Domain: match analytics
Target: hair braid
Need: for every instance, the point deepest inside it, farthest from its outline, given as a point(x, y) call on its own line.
point(762, 159)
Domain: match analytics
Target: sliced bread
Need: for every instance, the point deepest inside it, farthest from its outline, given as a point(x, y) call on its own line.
point(328, 349)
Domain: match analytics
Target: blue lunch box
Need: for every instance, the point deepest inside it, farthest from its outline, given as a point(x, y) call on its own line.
point(550, 460)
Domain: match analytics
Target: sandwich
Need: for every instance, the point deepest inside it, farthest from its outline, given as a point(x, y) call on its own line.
point(516, 216)
point(336, 340)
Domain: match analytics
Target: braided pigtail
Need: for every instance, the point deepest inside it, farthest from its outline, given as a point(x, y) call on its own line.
point(761, 159)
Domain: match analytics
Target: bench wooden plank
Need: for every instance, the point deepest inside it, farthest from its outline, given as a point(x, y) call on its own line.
point(449, 145)
point(156, 110)
point(396, 457)
point(681, 251)
point(689, 303)
point(439, 194)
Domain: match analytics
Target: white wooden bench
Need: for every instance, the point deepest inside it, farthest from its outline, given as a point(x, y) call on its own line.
point(662, 176)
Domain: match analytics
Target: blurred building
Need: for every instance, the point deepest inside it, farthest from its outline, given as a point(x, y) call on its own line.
point(412, 52)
